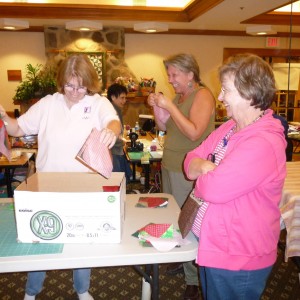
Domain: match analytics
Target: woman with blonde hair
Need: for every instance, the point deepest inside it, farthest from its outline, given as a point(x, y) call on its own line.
point(63, 121)
point(188, 119)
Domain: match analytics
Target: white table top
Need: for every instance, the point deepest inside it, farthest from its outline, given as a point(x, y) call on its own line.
point(128, 252)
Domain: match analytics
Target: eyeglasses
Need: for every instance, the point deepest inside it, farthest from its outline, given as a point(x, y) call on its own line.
point(71, 88)
point(223, 91)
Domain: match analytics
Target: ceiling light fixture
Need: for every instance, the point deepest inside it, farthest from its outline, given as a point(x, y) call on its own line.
point(260, 30)
point(84, 25)
point(13, 24)
point(151, 27)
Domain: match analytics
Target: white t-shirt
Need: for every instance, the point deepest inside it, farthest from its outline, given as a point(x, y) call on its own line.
point(62, 131)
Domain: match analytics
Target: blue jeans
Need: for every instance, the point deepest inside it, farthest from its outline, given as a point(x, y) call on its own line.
point(121, 164)
point(35, 280)
point(220, 284)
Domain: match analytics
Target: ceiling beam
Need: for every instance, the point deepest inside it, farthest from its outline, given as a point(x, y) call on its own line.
point(274, 19)
point(105, 12)
point(86, 12)
point(136, 13)
point(199, 7)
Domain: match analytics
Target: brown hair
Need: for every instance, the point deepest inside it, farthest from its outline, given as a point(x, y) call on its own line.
point(253, 78)
point(79, 66)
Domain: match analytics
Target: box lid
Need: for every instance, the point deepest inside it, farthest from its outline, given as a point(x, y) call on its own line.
point(69, 182)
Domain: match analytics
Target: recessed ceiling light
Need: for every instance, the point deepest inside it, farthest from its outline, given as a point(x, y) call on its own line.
point(260, 30)
point(83, 25)
point(151, 27)
point(12, 24)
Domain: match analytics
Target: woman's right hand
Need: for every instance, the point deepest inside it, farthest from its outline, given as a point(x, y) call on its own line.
point(151, 99)
point(11, 124)
point(3, 113)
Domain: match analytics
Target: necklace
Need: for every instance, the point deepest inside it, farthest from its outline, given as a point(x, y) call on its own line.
point(255, 120)
point(234, 129)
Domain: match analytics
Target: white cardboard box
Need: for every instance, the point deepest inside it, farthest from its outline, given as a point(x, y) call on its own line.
point(70, 208)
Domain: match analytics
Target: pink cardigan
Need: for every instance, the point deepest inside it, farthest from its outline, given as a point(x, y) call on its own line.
point(241, 227)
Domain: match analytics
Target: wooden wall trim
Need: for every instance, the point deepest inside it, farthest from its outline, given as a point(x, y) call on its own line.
point(227, 52)
point(180, 32)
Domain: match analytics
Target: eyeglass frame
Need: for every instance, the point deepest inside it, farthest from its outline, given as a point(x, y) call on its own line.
point(74, 88)
point(223, 91)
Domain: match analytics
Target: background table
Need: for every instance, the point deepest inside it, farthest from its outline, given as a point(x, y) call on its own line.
point(296, 139)
point(10, 166)
point(128, 252)
point(136, 157)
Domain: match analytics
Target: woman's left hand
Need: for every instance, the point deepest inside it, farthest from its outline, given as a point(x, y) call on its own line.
point(108, 137)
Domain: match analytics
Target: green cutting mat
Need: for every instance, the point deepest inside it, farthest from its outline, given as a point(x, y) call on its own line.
point(8, 237)
point(135, 155)
point(138, 155)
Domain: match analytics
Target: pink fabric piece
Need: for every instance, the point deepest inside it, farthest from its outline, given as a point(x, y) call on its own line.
point(161, 113)
point(4, 141)
point(96, 155)
point(156, 230)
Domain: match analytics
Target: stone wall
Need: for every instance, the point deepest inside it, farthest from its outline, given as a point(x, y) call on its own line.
point(109, 42)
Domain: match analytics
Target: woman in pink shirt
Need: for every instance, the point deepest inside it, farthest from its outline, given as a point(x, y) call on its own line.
point(239, 172)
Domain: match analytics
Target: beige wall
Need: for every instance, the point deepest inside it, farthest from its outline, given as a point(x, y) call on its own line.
point(144, 54)
point(17, 50)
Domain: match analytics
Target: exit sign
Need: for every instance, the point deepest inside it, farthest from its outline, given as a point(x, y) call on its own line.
point(272, 42)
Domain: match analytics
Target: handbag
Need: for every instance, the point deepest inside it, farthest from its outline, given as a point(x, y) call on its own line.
point(188, 213)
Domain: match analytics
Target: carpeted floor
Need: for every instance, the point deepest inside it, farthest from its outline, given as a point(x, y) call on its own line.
point(118, 283)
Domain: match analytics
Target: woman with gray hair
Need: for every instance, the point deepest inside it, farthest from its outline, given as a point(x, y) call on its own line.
point(188, 119)
point(239, 171)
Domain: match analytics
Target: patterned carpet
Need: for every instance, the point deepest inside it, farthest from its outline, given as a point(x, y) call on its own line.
point(118, 283)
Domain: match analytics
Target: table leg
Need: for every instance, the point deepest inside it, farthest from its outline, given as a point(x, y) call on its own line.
point(133, 172)
point(151, 275)
point(8, 183)
point(155, 282)
point(147, 176)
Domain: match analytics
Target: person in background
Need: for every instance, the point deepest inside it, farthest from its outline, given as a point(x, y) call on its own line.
point(290, 146)
point(116, 94)
point(63, 121)
point(239, 230)
point(188, 119)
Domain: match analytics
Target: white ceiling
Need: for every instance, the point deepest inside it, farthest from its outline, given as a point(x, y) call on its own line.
point(226, 16)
